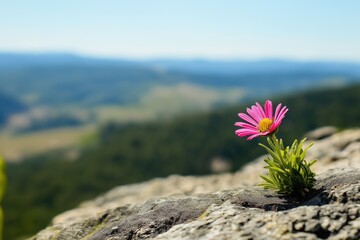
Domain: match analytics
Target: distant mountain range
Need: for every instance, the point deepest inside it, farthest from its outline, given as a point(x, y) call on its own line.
point(58, 80)
point(199, 66)
point(257, 66)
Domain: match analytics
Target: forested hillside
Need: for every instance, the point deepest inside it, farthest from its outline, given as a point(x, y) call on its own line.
point(137, 152)
point(9, 105)
point(69, 90)
point(66, 79)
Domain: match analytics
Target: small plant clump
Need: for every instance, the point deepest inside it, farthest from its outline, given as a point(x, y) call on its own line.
point(289, 172)
point(2, 191)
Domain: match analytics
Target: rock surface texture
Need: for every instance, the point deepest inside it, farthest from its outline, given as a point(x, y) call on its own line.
point(227, 206)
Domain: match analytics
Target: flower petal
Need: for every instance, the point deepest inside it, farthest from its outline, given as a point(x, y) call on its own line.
point(253, 114)
point(247, 118)
point(246, 125)
point(281, 115)
point(257, 111)
point(277, 111)
point(255, 135)
point(268, 109)
point(244, 132)
point(260, 110)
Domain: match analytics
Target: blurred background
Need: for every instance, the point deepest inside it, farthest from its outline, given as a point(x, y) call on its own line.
point(96, 94)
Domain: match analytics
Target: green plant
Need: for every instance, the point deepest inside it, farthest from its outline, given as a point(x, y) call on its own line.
point(2, 191)
point(289, 173)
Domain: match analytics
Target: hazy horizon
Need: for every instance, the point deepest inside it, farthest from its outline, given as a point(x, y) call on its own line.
point(179, 58)
point(303, 30)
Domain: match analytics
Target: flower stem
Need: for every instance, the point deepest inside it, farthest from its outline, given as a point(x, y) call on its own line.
point(277, 146)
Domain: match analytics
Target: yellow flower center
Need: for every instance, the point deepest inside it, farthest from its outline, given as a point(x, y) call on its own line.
point(265, 124)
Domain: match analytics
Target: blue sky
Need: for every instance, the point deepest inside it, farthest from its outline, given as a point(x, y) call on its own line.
point(220, 29)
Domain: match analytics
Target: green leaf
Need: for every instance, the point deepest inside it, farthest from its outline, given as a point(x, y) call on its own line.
point(266, 179)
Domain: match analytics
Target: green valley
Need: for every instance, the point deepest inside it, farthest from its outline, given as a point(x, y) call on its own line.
point(47, 184)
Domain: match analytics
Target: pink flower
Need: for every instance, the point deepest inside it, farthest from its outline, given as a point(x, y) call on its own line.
point(260, 122)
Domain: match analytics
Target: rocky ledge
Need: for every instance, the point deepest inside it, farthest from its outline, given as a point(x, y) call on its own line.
point(227, 206)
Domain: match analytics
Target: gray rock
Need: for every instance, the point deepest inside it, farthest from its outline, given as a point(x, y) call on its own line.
point(333, 218)
point(227, 206)
point(306, 222)
point(248, 212)
point(321, 133)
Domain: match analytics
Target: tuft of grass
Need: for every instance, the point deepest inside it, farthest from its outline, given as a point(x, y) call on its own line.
point(2, 191)
point(289, 172)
